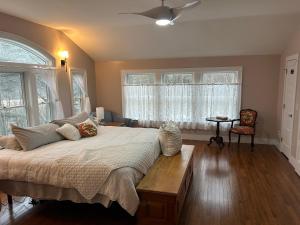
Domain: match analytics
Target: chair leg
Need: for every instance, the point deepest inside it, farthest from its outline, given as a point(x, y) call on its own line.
point(9, 199)
point(229, 138)
point(252, 141)
point(239, 140)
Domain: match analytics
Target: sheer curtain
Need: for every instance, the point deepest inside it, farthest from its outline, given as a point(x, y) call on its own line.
point(141, 103)
point(188, 101)
point(49, 76)
point(218, 94)
point(80, 79)
point(176, 104)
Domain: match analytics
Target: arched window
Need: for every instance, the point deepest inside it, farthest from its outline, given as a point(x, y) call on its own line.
point(25, 96)
point(16, 52)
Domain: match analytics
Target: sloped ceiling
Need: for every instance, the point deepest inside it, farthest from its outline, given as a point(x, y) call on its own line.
point(216, 28)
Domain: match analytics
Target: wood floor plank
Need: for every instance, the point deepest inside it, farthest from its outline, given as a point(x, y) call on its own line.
point(233, 186)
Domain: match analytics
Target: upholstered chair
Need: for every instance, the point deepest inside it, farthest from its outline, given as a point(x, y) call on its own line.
point(246, 126)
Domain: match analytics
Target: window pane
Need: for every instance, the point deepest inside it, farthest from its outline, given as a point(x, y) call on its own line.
point(11, 90)
point(135, 79)
point(16, 116)
point(44, 102)
point(220, 77)
point(12, 51)
point(177, 78)
point(12, 104)
point(77, 97)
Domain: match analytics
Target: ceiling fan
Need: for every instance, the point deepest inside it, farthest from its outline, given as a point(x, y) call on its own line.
point(165, 15)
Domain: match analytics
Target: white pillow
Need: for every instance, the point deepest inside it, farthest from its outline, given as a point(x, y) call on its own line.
point(69, 132)
point(170, 139)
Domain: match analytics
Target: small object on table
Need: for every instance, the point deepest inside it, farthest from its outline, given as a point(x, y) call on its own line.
point(221, 117)
point(113, 124)
point(218, 139)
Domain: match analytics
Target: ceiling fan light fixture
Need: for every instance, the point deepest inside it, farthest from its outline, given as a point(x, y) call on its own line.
point(163, 22)
point(165, 15)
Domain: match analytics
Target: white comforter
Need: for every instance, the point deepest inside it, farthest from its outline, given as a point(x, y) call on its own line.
point(86, 165)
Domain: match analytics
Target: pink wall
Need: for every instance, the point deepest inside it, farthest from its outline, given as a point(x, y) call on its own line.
point(259, 91)
point(52, 41)
point(292, 48)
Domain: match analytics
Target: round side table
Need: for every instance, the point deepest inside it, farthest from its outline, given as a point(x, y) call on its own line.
point(218, 139)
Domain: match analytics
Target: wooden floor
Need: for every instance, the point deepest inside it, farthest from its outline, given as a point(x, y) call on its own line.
point(230, 187)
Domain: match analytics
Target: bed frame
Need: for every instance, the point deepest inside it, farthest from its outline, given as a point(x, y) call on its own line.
point(163, 190)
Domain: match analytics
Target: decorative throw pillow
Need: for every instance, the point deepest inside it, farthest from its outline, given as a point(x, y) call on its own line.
point(34, 137)
point(88, 121)
point(170, 139)
point(79, 118)
point(87, 130)
point(10, 142)
point(69, 132)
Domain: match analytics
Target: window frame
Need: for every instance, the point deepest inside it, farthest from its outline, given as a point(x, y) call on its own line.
point(24, 95)
point(30, 46)
point(28, 76)
point(197, 72)
point(84, 74)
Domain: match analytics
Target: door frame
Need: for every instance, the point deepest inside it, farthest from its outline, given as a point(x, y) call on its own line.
point(288, 58)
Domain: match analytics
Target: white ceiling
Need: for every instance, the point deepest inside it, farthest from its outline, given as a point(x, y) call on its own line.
point(217, 27)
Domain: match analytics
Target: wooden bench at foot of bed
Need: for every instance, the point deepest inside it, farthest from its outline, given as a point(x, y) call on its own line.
point(163, 190)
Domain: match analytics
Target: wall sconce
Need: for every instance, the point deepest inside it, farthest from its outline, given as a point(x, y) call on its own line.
point(64, 55)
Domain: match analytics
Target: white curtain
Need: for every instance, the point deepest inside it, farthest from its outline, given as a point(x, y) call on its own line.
point(176, 104)
point(219, 94)
point(50, 78)
point(80, 79)
point(141, 103)
point(214, 94)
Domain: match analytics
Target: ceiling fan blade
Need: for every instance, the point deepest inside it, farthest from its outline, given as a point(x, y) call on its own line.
point(189, 5)
point(152, 13)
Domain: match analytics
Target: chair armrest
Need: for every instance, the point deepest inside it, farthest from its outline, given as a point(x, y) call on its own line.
point(232, 122)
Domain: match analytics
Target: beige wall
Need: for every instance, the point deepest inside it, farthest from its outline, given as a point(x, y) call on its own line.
point(259, 91)
point(53, 41)
point(292, 48)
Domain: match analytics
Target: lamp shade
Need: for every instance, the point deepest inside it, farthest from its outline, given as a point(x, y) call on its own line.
point(100, 113)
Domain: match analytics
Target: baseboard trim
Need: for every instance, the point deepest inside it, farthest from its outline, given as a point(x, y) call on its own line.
point(244, 139)
point(296, 164)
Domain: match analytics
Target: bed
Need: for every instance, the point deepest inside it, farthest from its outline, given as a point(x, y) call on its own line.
point(99, 169)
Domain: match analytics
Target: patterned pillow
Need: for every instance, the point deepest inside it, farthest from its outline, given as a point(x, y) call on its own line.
point(87, 130)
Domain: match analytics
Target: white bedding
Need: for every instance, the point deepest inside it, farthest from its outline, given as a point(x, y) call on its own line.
point(91, 165)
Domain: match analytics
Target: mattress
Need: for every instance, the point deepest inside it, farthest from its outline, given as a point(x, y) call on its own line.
point(119, 186)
